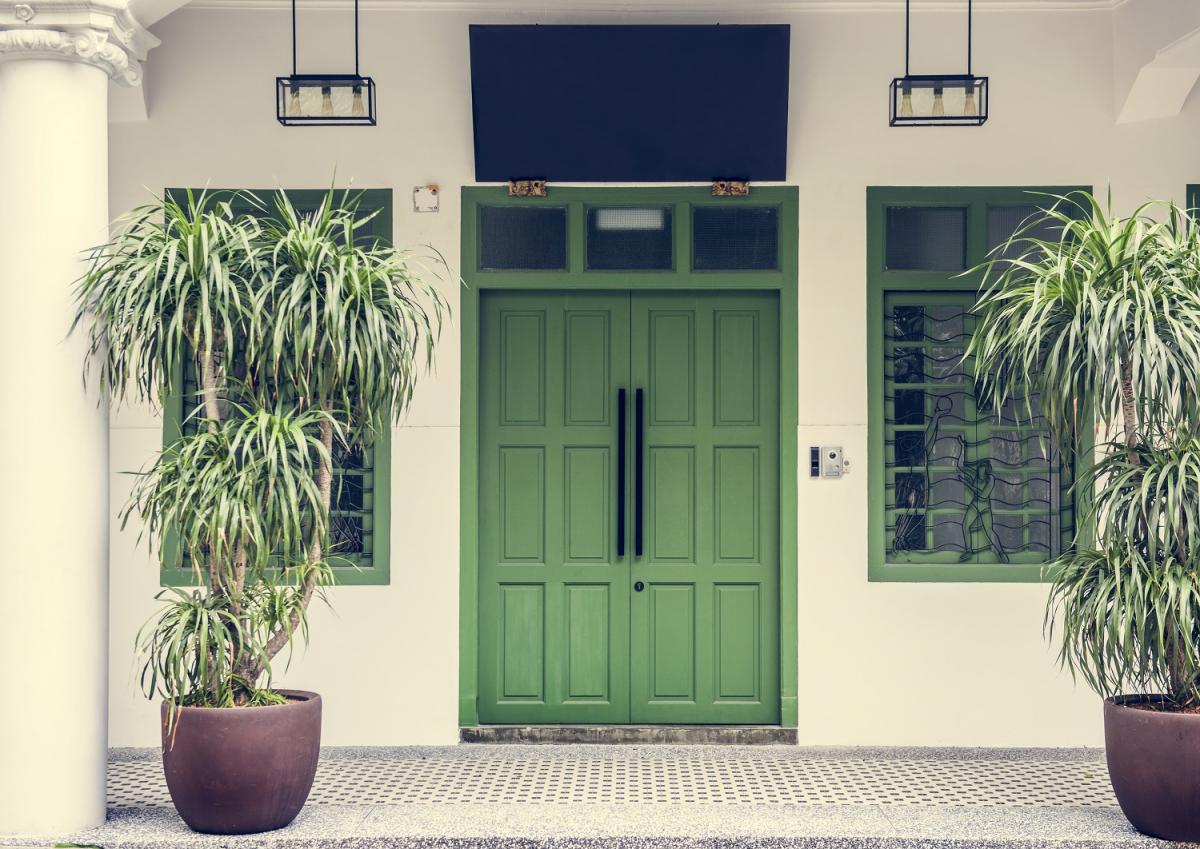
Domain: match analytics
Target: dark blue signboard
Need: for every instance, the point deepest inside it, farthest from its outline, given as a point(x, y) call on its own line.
point(630, 103)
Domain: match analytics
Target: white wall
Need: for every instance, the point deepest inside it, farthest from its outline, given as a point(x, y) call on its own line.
point(1141, 28)
point(919, 664)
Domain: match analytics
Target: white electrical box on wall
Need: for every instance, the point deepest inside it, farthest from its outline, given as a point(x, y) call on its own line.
point(426, 198)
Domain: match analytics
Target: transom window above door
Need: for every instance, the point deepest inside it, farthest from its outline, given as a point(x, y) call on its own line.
point(552, 236)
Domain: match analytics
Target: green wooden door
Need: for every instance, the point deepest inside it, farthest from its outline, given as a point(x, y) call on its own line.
point(669, 612)
point(554, 595)
point(705, 644)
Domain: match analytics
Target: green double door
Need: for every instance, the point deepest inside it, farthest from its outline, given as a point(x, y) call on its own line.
point(629, 523)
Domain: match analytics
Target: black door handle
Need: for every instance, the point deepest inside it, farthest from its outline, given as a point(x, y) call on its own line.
point(621, 472)
point(638, 472)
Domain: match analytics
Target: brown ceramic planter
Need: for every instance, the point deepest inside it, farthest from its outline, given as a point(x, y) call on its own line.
point(1154, 766)
point(243, 770)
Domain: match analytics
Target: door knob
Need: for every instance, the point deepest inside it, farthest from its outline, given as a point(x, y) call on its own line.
point(639, 586)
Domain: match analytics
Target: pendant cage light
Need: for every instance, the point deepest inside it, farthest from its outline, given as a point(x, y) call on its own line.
point(937, 100)
point(325, 100)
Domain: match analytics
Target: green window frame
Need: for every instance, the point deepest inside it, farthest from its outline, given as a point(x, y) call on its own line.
point(373, 473)
point(1193, 198)
point(956, 493)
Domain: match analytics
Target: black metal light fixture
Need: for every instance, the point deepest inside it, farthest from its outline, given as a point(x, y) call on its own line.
point(938, 100)
point(325, 99)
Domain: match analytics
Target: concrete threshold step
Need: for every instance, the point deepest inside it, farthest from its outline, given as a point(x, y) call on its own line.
point(723, 735)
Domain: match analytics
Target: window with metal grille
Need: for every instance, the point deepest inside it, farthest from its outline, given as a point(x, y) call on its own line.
point(359, 512)
point(964, 483)
point(959, 491)
point(352, 508)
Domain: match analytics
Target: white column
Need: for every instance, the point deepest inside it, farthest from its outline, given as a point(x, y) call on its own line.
point(54, 507)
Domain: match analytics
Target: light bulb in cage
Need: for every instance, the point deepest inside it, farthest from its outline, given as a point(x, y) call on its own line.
point(325, 99)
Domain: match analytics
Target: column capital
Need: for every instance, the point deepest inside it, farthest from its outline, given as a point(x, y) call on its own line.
point(103, 33)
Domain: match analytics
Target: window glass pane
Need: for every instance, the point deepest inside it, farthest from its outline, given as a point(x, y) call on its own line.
point(965, 484)
point(523, 237)
point(628, 238)
point(928, 238)
point(735, 238)
point(1004, 221)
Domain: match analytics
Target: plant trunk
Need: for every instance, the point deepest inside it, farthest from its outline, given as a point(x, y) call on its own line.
point(1128, 407)
point(212, 417)
point(208, 388)
point(242, 666)
point(1182, 678)
point(325, 485)
point(209, 383)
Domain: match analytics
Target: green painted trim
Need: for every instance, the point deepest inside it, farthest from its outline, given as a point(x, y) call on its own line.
point(1193, 197)
point(789, 422)
point(681, 276)
point(379, 572)
point(879, 282)
point(468, 475)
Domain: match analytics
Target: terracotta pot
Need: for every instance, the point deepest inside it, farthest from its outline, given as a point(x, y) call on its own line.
point(243, 770)
point(1154, 765)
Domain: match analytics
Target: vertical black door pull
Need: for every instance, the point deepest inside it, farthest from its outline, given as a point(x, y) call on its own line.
point(621, 428)
point(639, 472)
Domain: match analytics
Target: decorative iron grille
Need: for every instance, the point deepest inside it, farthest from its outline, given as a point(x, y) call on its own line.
point(964, 482)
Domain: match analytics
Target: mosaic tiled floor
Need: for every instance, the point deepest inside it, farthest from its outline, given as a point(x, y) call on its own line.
point(671, 775)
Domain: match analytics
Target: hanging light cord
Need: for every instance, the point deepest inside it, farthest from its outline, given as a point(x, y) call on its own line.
point(907, 26)
point(356, 71)
point(968, 36)
point(293, 38)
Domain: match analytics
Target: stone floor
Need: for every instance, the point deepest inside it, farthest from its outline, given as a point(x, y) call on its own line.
point(661, 796)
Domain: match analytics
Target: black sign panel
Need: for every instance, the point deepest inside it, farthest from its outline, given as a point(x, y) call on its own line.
point(630, 103)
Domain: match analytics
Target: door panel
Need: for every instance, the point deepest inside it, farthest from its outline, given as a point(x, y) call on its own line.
point(671, 642)
point(522, 640)
point(564, 636)
point(704, 636)
point(554, 597)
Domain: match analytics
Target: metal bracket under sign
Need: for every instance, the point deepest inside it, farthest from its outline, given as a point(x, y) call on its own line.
point(527, 188)
point(731, 188)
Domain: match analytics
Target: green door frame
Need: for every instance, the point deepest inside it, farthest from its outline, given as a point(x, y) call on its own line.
point(681, 277)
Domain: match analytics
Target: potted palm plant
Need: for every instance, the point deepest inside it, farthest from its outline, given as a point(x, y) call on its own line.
point(305, 343)
point(1105, 316)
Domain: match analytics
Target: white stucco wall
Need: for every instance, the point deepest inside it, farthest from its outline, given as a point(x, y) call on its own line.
point(900, 664)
